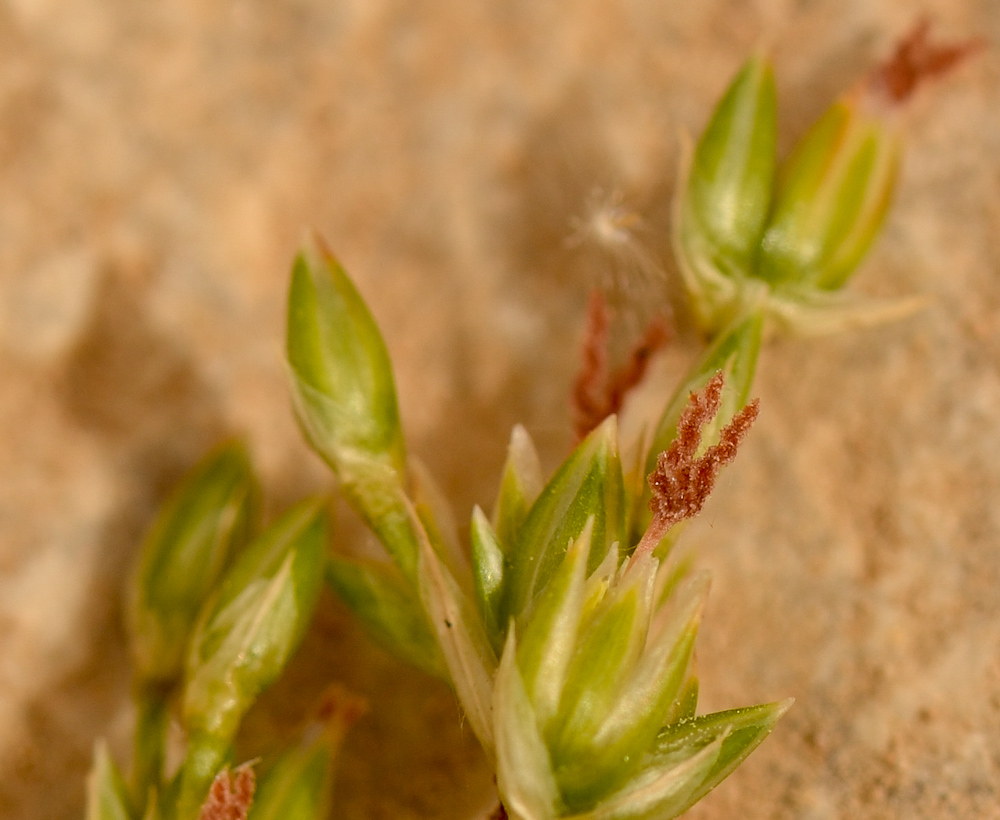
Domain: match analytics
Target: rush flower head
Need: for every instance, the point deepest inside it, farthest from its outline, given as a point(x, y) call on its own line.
point(785, 239)
point(570, 651)
point(595, 695)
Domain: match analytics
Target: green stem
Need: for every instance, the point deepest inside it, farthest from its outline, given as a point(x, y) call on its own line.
point(205, 758)
point(152, 720)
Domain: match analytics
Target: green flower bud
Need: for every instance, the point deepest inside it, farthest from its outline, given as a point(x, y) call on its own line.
point(345, 397)
point(723, 202)
point(196, 533)
point(107, 794)
point(342, 378)
point(246, 635)
point(589, 483)
point(831, 200)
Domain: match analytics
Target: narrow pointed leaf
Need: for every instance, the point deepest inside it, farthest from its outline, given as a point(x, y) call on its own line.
point(487, 576)
point(808, 311)
point(255, 621)
point(520, 484)
point(464, 644)
point(660, 792)
point(389, 608)
point(207, 519)
point(589, 483)
point(550, 636)
point(524, 772)
point(740, 730)
point(107, 793)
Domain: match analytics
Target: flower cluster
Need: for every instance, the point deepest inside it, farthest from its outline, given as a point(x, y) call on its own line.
point(753, 235)
point(567, 625)
point(569, 647)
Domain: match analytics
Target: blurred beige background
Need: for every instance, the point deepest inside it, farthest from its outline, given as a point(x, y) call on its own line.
point(158, 164)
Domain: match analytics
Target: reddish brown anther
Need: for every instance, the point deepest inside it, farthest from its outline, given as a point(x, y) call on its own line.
point(916, 59)
point(681, 481)
point(597, 392)
point(230, 796)
point(588, 390)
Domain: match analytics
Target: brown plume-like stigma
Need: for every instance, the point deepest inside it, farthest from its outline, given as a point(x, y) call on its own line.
point(598, 392)
point(682, 481)
point(230, 796)
point(915, 60)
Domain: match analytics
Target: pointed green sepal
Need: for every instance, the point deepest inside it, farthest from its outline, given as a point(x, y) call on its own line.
point(389, 608)
point(525, 781)
point(206, 520)
point(608, 648)
point(739, 731)
point(685, 705)
point(832, 197)
point(725, 194)
point(520, 484)
point(107, 793)
point(589, 483)
point(659, 792)
point(487, 575)
point(460, 633)
point(255, 621)
point(550, 637)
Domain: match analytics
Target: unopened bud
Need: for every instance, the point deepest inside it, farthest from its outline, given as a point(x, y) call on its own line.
point(831, 200)
point(722, 209)
point(345, 397)
point(247, 635)
point(207, 518)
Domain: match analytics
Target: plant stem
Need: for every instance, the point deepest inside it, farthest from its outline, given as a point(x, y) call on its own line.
point(152, 720)
point(206, 756)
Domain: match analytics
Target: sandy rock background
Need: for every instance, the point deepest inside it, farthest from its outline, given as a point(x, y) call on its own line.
point(158, 165)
